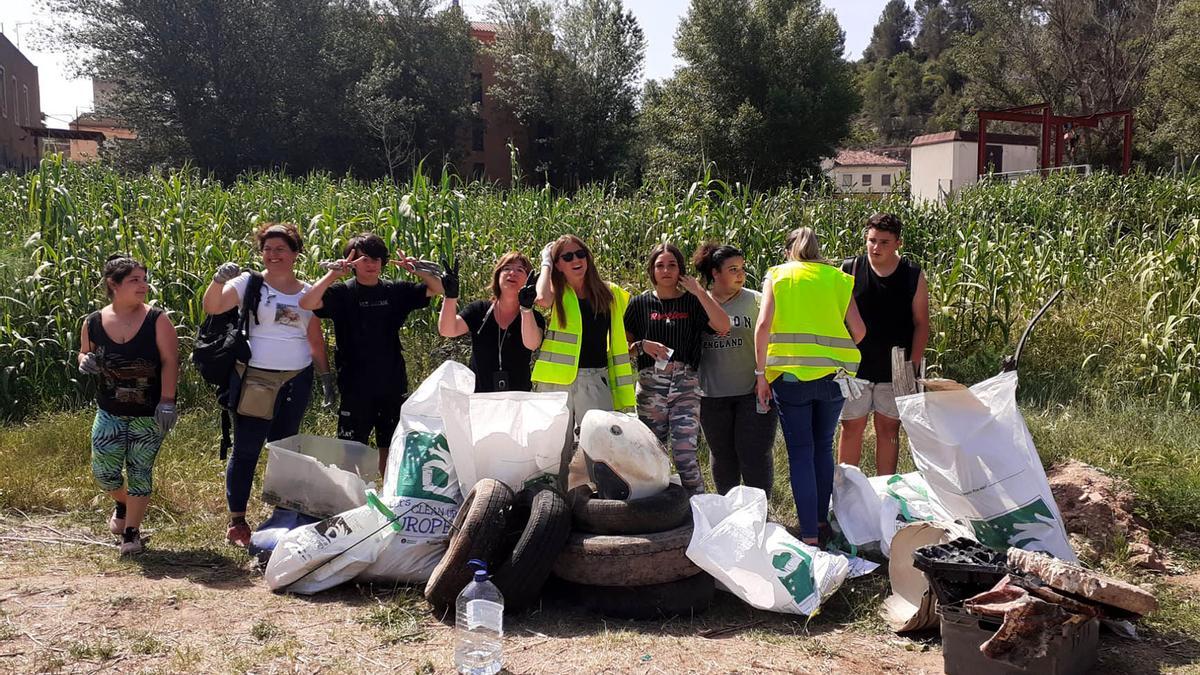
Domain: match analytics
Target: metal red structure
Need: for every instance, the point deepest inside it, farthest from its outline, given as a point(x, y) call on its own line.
point(1040, 113)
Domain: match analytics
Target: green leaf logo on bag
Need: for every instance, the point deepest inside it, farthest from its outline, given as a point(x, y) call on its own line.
point(425, 468)
point(1023, 528)
point(796, 566)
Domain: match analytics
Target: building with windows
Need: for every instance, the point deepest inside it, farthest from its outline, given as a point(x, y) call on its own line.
point(485, 146)
point(863, 171)
point(948, 161)
point(20, 109)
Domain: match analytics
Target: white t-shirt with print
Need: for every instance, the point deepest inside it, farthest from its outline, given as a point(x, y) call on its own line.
point(279, 341)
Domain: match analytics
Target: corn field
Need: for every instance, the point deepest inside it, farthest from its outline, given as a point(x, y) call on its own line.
point(1125, 249)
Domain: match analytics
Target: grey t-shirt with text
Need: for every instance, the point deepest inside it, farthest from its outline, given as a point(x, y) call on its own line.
point(727, 361)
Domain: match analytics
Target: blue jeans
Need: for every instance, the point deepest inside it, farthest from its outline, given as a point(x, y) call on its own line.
point(249, 434)
point(808, 416)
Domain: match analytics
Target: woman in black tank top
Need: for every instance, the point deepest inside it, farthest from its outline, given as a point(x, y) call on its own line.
point(133, 350)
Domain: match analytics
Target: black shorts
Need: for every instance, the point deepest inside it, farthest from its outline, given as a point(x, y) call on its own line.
point(360, 415)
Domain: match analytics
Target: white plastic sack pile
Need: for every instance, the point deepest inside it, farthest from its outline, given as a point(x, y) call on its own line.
point(870, 511)
point(514, 437)
point(629, 448)
point(322, 555)
point(420, 486)
point(759, 561)
point(976, 454)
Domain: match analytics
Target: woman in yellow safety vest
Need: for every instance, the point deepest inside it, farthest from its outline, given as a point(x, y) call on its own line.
point(584, 351)
point(807, 333)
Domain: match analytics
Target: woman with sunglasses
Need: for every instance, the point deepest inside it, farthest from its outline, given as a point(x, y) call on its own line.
point(585, 352)
point(504, 330)
point(272, 390)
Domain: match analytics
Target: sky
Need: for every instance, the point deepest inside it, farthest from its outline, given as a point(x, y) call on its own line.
point(63, 99)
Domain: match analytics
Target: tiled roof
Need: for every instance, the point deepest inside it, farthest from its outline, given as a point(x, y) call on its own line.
point(973, 137)
point(485, 26)
point(864, 158)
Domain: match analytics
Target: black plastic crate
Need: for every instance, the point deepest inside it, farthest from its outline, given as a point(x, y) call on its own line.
point(1071, 652)
point(960, 569)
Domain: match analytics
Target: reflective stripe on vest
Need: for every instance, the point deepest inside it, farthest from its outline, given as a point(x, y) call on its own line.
point(811, 361)
point(561, 336)
point(811, 339)
point(551, 357)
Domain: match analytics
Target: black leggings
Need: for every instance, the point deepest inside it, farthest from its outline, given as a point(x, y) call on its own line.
point(740, 440)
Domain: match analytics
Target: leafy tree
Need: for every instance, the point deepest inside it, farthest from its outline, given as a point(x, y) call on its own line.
point(764, 93)
point(940, 21)
point(570, 75)
point(244, 84)
point(893, 32)
point(1174, 86)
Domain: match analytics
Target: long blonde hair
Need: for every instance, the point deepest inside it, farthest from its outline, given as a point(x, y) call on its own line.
point(598, 293)
point(804, 246)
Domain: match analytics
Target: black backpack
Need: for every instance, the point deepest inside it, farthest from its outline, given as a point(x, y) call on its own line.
point(222, 341)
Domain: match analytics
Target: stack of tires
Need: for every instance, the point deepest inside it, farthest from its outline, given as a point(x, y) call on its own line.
point(518, 534)
point(627, 558)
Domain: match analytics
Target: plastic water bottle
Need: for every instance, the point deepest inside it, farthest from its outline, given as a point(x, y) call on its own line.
point(480, 625)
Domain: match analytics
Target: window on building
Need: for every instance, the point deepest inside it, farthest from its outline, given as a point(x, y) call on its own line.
point(477, 136)
point(3, 93)
point(477, 88)
point(25, 92)
point(885, 180)
point(866, 180)
point(847, 180)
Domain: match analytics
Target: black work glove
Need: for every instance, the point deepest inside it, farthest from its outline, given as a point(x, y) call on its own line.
point(528, 293)
point(449, 277)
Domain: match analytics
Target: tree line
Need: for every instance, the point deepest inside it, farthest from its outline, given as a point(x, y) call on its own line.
point(765, 91)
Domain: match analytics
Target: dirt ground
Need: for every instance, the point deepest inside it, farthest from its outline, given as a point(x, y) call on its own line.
point(67, 604)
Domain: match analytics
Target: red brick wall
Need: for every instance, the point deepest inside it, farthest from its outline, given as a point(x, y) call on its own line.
point(498, 126)
point(20, 105)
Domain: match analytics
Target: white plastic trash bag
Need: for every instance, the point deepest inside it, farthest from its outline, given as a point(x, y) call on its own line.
point(514, 437)
point(976, 454)
point(855, 506)
point(420, 486)
point(905, 499)
point(759, 561)
point(315, 557)
point(631, 452)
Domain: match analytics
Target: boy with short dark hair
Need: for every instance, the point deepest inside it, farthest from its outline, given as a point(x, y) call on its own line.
point(893, 300)
point(367, 313)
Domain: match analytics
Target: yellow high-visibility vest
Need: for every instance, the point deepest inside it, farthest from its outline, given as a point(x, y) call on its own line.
point(809, 338)
point(557, 361)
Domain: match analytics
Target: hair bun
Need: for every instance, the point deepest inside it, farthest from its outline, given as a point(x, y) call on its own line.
point(117, 256)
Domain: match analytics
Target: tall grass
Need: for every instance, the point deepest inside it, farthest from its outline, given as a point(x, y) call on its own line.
point(1126, 249)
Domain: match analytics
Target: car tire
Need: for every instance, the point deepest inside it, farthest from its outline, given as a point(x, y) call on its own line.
point(478, 531)
point(686, 597)
point(626, 560)
point(664, 511)
point(543, 523)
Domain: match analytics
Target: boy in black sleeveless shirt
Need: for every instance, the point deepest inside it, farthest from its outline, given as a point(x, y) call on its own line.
point(893, 300)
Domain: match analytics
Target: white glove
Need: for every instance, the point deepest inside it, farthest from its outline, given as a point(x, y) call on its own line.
point(852, 387)
point(547, 261)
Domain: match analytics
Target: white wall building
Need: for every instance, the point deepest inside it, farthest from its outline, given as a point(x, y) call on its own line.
point(946, 162)
point(863, 171)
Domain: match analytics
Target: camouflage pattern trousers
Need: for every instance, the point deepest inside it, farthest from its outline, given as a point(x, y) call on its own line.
point(668, 401)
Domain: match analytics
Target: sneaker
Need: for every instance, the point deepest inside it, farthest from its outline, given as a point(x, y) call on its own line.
point(132, 547)
point(116, 525)
point(238, 534)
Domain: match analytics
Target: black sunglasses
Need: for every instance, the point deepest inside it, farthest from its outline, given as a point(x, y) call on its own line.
point(571, 255)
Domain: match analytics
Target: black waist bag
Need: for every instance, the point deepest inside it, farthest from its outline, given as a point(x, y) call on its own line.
point(222, 341)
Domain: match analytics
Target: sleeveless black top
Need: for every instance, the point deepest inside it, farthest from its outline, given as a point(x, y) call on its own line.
point(885, 304)
point(130, 373)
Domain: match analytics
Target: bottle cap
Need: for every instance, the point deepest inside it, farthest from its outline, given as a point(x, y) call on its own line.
point(480, 569)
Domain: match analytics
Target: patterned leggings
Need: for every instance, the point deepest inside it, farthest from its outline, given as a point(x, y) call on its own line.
point(668, 402)
point(129, 443)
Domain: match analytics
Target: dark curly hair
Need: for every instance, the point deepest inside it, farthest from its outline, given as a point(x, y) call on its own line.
point(885, 222)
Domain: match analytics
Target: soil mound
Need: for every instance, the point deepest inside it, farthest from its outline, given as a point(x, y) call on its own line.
point(1098, 511)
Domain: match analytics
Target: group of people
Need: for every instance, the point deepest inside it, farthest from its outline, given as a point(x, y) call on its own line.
point(687, 354)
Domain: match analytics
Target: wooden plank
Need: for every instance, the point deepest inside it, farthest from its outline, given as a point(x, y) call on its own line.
point(904, 381)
